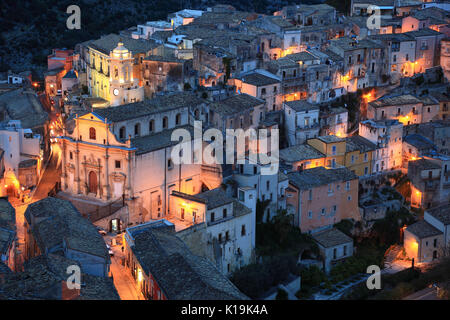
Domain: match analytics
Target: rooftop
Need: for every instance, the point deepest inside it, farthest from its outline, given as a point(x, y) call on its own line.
point(7, 214)
point(108, 43)
point(157, 141)
point(331, 238)
point(180, 274)
point(165, 58)
point(423, 33)
point(423, 229)
point(347, 43)
point(441, 213)
point(59, 221)
point(424, 164)
point(258, 79)
point(301, 105)
point(149, 106)
point(235, 104)
point(330, 139)
point(70, 75)
point(215, 198)
point(395, 101)
point(7, 237)
point(23, 105)
point(418, 141)
point(300, 152)
point(319, 176)
point(355, 143)
point(400, 37)
point(44, 276)
point(301, 56)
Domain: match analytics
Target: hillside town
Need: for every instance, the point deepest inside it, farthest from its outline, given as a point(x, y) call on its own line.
point(350, 167)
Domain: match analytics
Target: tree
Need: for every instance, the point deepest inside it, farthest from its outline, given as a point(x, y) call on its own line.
point(187, 86)
point(340, 5)
point(281, 295)
point(261, 207)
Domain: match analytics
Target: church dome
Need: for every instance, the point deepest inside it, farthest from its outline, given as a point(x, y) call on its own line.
point(120, 51)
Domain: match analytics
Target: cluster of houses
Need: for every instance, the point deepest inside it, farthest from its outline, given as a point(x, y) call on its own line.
point(188, 226)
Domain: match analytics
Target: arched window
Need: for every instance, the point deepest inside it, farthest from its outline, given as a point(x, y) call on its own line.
point(151, 125)
point(137, 129)
point(225, 213)
point(178, 119)
point(165, 122)
point(122, 133)
point(92, 135)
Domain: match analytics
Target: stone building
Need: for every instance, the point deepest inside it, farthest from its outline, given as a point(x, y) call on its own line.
point(422, 241)
point(387, 136)
point(55, 226)
point(164, 268)
point(163, 73)
point(445, 57)
point(7, 234)
point(301, 121)
point(260, 84)
point(334, 247)
point(364, 62)
point(125, 152)
point(319, 198)
point(113, 67)
point(229, 225)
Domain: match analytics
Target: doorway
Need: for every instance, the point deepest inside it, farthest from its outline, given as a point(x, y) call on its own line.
point(93, 182)
point(115, 225)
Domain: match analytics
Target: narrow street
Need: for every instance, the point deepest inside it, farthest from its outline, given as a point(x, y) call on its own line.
point(123, 280)
point(50, 176)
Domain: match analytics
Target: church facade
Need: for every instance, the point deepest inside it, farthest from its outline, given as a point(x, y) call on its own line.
point(114, 68)
point(125, 152)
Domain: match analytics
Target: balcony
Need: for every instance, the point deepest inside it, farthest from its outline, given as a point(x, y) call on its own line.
point(308, 127)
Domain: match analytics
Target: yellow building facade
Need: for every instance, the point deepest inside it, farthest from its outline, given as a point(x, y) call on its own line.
point(334, 149)
point(354, 153)
point(113, 77)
